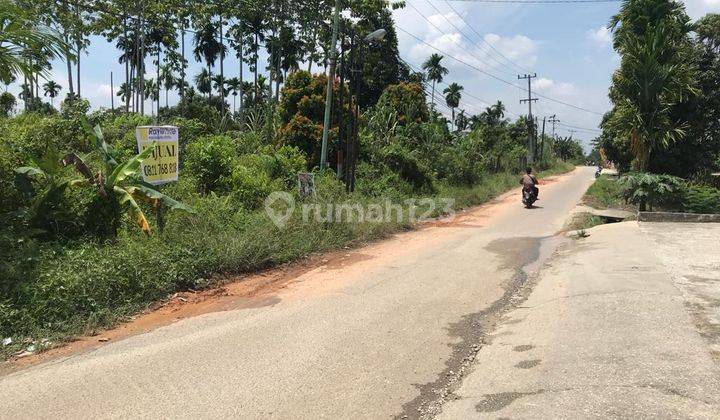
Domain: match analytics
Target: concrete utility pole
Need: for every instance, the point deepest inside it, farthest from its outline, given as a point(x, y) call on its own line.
point(529, 100)
point(330, 77)
point(542, 141)
point(112, 93)
point(553, 119)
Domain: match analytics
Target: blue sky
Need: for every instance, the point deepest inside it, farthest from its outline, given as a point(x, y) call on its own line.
point(567, 45)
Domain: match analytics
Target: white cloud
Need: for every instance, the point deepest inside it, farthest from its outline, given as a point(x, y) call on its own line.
point(443, 23)
point(699, 8)
point(602, 37)
point(518, 48)
point(553, 88)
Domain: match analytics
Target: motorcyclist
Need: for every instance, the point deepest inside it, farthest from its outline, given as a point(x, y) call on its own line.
point(529, 181)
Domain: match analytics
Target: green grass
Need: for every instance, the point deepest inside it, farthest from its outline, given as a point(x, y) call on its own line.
point(82, 287)
point(604, 193)
point(557, 169)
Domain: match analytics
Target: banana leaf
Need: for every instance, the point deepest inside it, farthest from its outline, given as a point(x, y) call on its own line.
point(29, 171)
point(156, 197)
point(126, 198)
point(128, 168)
point(106, 150)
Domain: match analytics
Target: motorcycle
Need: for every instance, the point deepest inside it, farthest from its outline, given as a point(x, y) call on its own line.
point(528, 197)
point(598, 172)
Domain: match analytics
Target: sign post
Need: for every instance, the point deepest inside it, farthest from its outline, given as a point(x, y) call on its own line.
point(306, 185)
point(162, 166)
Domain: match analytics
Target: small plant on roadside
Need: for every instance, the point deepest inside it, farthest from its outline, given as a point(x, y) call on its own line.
point(650, 190)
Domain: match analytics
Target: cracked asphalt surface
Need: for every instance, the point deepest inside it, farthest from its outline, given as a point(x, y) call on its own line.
point(390, 335)
point(621, 324)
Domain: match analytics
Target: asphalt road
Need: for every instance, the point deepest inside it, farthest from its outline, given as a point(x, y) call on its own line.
point(380, 336)
point(622, 324)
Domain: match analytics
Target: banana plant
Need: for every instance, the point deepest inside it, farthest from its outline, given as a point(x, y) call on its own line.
point(119, 183)
point(43, 183)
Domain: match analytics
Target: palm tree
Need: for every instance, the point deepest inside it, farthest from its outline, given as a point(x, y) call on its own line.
point(650, 85)
point(208, 48)
point(452, 97)
point(124, 92)
point(655, 76)
point(461, 122)
point(52, 90)
point(435, 72)
point(25, 94)
point(255, 26)
point(152, 91)
point(203, 82)
point(21, 36)
point(635, 17)
point(263, 90)
point(494, 114)
point(234, 86)
point(219, 83)
point(167, 80)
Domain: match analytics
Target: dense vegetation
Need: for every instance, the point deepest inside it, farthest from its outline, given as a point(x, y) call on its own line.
point(83, 241)
point(666, 96)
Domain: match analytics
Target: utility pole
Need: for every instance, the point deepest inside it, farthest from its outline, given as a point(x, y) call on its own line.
point(572, 132)
point(529, 100)
point(112, 93)
point(542, 141)
point(330, 77)
point(553, 120)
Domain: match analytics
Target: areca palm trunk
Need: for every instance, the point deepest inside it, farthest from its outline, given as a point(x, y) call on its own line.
point(158, 79)
point(69, 69)
point(77, 68)
point(127, 68)
point(255, 61)
point(182, 65)
point(240, 52)
point(432, 103)
point(222, 72)
point(210, 82)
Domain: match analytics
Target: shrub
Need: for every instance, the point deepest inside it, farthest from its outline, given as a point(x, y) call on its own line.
point(407, 100)
point(303, 133)
point(407, 164)
point(379, 181)
point(700, 199)
point(210, 161)
point(120, 133)
point(190, 129)
point(250, 186)
point(7, 104)
point(645, 189)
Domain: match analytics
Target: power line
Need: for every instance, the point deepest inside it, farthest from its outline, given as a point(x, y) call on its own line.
point(482, 38)
point(445, 33)
point(540, 1)
point(496, 77)
point(579, 128)
point(461, 32)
